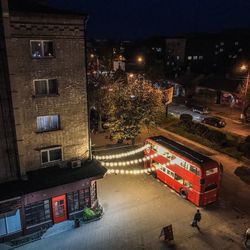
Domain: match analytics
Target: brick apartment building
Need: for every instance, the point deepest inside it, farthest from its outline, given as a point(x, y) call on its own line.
point(46, 175)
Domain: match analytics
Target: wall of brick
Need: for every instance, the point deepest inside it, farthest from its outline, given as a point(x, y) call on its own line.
point(68, 67)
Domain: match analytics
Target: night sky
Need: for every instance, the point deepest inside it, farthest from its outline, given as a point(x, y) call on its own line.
point(143, 18)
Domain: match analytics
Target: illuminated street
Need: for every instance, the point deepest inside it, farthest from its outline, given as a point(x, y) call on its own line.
point(136, 207)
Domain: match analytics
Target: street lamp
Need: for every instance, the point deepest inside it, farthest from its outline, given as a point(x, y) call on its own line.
point(244, 67)
point(139, 59)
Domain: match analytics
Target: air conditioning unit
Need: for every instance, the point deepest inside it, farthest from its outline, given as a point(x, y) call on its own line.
point(76, 164)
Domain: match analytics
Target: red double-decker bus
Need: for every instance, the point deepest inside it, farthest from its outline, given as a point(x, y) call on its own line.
point(194, 176)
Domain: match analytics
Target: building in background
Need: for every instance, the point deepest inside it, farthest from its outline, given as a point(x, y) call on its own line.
point(46, 176)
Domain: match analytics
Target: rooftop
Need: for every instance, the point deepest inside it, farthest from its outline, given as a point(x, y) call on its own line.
point(50, 177)
point(181, 149)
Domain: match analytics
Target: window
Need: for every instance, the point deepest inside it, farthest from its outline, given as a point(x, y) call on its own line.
point(211, 187)
point(73, 201)
point(200, 57)
point(178, 57)
point(93, 192)
point(48, 123)
point(178, 178)
point(37, 212)
point(188, 184)
point(195, 57)
point(10, 222)
point(221, 43)
point(221, 50)
point(189, 57)
point(211, 171)
point(236, 43)
point(84, 198)
point(46, 87)
point(51, 154)
point(194, 170)
point(42, 48)
point(170, 173)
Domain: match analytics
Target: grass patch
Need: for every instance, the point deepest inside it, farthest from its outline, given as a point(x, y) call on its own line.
point(229, 146)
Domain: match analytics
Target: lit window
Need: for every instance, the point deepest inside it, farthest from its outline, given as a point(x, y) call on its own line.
point(178, 57)
point(168, 63)
point(216, 46)
point(211, 171)
point(221, 50)
point(41, 48)
point(187, 184)
point(189, 57)
point(170, 173)
point(236, 43)
point(178, 178)
point(46, 87)
point(240, 49)
point(221, 43)
point(200, 57)
point(47, 123)
point(195, 57)
point(51, 155)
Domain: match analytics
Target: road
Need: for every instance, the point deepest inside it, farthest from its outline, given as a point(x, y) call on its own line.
point(233, 125)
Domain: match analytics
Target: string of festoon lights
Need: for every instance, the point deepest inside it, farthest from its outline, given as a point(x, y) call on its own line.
point(134, 171)
point(127, 163)
point(122, 155)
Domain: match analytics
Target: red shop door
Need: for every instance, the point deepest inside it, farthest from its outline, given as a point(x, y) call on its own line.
point(59, 208)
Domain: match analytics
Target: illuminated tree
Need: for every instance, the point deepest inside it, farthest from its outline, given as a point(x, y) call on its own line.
point(132, 105)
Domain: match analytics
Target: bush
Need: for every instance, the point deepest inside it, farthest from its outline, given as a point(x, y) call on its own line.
point(186, 117)
point(212, 135)
point(216, 136)
point(245, 149)
point(88, 213)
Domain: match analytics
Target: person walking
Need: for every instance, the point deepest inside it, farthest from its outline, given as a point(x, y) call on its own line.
point(247, 236)
point(197, 218)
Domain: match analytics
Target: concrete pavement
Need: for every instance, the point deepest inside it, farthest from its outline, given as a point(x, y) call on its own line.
point(137, 207)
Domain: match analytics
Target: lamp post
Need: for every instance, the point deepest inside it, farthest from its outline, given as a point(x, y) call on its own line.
point(244, 68)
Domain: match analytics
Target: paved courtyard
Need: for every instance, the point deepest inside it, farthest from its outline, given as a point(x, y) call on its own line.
point(136, 208)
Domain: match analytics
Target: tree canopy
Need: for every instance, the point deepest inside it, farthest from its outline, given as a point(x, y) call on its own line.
point(128, 104)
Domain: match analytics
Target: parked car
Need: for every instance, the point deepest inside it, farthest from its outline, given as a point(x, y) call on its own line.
point(200, 109)
point(214, 121)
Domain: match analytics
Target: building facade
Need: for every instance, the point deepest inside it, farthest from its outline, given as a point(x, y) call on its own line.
point(45, 172)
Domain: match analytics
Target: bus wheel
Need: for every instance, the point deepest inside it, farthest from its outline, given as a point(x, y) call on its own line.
point(183, 194)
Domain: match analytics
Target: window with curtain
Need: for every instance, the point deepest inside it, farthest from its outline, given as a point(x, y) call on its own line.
point(46, 87)
point(48, 123)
